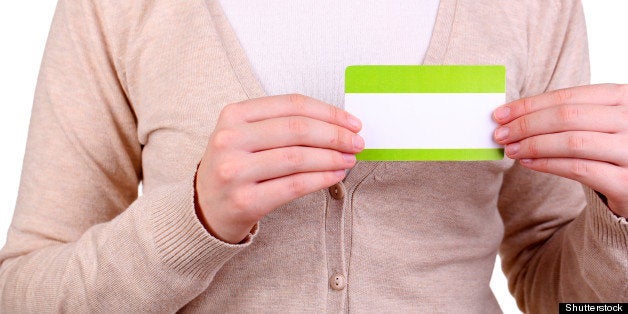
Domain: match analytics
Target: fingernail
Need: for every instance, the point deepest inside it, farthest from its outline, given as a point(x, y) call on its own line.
point(340, 174)
point(501, 133)
point(349, 158)
point(354, 122)
point(526, 161)
point(358, 142)
point(501, 113)
point(512, 149)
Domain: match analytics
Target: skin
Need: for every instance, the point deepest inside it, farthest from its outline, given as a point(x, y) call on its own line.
point(267, 152)
point(579, 133)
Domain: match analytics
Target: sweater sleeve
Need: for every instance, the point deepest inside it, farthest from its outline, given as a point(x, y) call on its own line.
point(81, 240)
point(560, 244)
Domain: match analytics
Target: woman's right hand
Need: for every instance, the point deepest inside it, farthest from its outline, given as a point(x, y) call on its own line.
point(266, 152)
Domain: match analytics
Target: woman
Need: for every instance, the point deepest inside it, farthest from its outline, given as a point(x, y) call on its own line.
point(164, 92)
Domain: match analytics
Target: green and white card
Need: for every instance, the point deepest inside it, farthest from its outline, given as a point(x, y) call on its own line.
point(420, 113)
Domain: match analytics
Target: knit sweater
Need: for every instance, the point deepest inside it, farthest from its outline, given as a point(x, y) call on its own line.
point(129, 92)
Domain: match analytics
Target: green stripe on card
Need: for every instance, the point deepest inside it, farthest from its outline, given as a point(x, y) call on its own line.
point(431, 154)
point(425, 79)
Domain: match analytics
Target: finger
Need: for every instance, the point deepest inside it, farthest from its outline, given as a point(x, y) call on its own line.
point(299, 131)
point(268, 195)
point(291, 105)
point(601, 176)
point(584, 145)
point(560, 119)
point(602, 94)
point(281, 162)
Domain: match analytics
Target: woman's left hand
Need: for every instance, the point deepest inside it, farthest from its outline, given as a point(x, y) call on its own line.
point(580, 133)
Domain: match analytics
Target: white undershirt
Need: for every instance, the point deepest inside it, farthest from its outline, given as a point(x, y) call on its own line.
point(304, 46)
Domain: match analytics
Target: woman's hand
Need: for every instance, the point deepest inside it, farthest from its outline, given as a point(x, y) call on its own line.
point(267, 152)
point(579, 133)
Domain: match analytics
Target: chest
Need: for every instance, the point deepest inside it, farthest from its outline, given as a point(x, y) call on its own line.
point(179, 86)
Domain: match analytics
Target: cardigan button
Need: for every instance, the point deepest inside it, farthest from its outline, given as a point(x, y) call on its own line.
point(337, 282)
point(337, 191)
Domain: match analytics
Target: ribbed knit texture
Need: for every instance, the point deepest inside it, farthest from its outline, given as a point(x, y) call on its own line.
point(130, 91)
point(181, 239)
point(613, 235)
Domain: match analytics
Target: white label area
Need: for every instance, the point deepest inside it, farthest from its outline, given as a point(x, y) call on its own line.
point(423, 120)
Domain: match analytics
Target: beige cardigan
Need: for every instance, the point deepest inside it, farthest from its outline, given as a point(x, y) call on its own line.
point(129, 91)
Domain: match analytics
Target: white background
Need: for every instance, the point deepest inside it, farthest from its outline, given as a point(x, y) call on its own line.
point(24, 28)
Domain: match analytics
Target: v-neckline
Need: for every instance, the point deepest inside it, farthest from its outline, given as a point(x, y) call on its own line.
point(252, 87)
point(443, 26)
point(435, 54)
